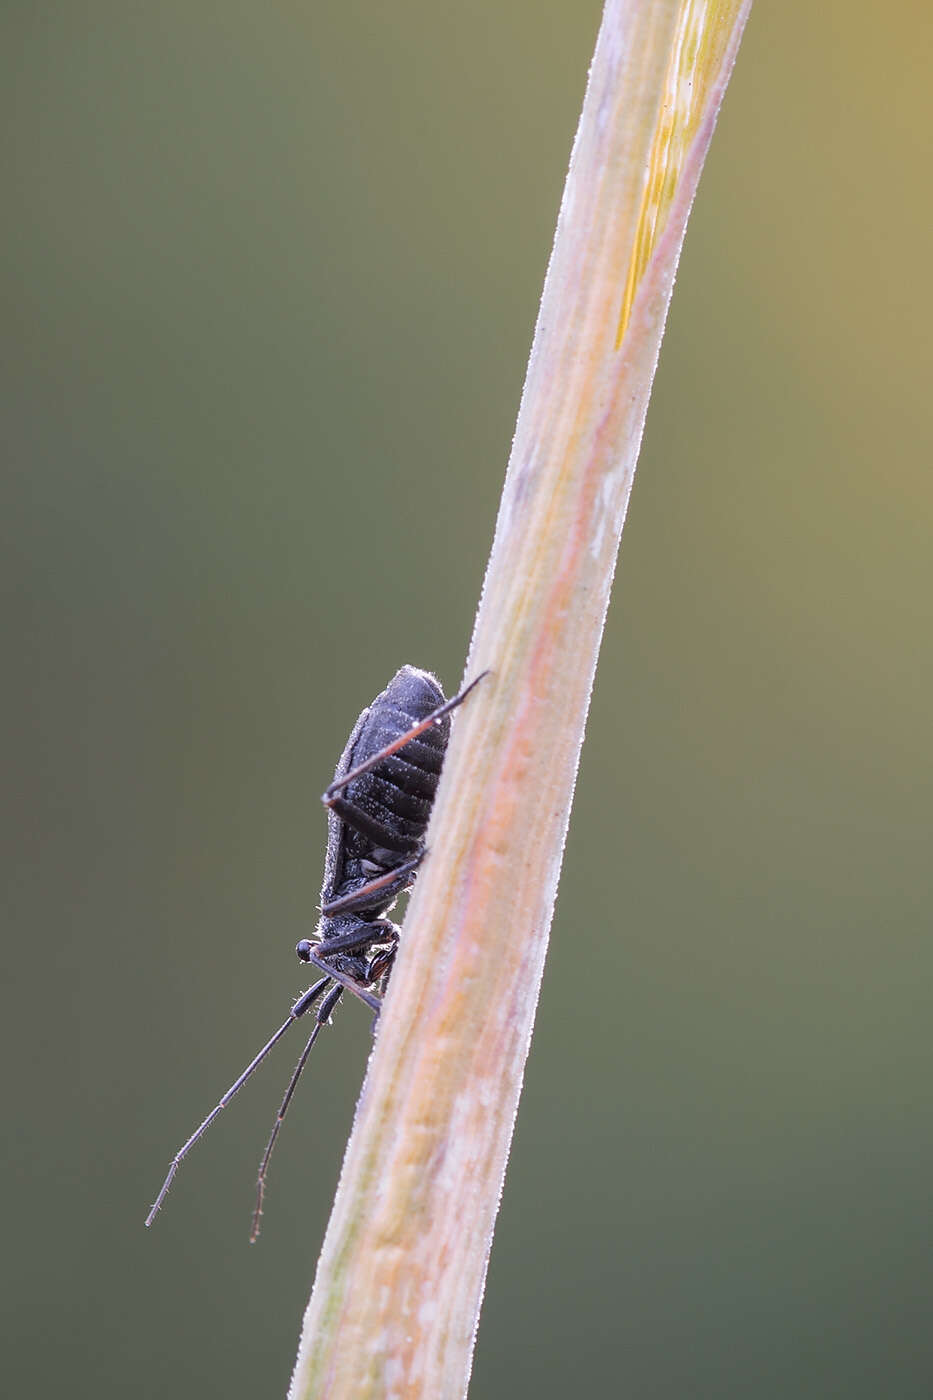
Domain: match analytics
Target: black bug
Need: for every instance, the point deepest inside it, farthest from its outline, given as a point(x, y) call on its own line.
point(378, 809)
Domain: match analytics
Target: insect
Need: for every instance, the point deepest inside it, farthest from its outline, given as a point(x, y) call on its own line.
point(378, 808)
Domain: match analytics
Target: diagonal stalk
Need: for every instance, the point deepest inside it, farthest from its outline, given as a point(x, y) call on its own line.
point(400, 1278)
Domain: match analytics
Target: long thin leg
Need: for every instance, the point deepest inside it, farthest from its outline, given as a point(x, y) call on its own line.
point(345, 980)
point(340, 783)
point(392, 882)
point(365, 932)
point(389, 934)
point(321, 1019)
point(301, 1005)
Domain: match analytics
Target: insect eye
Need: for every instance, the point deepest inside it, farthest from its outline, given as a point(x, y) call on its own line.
point(304, 950)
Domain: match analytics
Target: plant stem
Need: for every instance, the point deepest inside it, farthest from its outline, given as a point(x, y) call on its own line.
point(401, 1275)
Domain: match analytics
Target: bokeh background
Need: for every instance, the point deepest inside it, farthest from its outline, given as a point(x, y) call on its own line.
point(269, 279)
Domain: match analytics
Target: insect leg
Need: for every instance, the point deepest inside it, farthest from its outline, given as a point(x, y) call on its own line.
point(340, 783)
point(307, 954)
point(392, 883)
point(380, 931)
point(376, 931)
point(301, 1005)
point(381, 963)
point(321, 1018)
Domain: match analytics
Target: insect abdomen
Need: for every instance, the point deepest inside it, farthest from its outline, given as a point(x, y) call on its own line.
point(393, 801)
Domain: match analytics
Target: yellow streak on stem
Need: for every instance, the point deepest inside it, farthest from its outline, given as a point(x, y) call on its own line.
point(703, 29)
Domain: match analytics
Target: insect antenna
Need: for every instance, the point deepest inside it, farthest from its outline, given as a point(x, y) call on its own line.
point(321, 1019)
point(301, 1006)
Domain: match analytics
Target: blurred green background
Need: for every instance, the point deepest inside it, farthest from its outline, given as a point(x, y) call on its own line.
point(270, 274)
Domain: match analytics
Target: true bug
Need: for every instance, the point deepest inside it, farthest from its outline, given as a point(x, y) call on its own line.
point(378, 808)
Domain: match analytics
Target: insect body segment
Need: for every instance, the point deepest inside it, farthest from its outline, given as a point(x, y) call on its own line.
point(379, 805)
